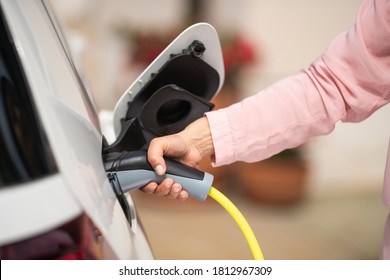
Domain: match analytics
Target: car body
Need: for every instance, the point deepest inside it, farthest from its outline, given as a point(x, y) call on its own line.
point(56, 200)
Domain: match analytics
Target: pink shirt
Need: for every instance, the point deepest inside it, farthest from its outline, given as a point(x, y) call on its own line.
point(348, 82)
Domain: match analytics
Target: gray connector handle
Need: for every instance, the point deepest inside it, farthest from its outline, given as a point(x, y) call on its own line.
point(133, 171)
point(135, 179)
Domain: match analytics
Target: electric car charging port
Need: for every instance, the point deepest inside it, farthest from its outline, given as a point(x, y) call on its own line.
point(175, 95)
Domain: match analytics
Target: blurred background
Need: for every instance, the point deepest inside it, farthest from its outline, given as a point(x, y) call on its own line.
point(319, 201)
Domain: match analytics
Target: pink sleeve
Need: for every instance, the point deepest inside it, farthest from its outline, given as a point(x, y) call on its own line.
point(348, 82)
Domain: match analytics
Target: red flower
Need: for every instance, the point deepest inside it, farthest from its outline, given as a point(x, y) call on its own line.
point(237, 51)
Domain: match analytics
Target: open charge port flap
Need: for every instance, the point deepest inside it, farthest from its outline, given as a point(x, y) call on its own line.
point(176, 95)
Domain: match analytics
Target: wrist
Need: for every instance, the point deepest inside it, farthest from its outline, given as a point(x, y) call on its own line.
point(199, 134)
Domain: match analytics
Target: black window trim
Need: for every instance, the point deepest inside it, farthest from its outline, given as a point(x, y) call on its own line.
point(42, 149)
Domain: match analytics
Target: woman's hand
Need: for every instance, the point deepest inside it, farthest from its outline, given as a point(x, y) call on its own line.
point(189, 147)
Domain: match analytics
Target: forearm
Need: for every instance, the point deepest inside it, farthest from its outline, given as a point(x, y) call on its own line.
point(282, 116)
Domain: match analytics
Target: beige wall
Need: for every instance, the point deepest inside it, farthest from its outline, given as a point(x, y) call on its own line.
point(288, 34)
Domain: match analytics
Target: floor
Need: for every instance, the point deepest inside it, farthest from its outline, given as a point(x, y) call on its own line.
point(349, 227)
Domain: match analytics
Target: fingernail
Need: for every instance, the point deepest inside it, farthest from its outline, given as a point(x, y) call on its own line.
point(168, 183)
point(183, 196)
point(153, 189)
point(159, 170)
point(176, 189)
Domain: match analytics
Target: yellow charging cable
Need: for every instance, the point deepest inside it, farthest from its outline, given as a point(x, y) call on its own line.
point(240, 220)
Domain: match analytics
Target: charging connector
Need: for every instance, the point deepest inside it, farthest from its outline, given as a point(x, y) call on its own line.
point(131, 170)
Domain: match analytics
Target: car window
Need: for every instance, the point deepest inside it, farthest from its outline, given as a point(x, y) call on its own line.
point(24, 150)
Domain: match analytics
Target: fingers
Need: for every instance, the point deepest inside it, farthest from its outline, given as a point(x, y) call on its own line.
point(167, 188)
point(173, 146)
point(149, 188)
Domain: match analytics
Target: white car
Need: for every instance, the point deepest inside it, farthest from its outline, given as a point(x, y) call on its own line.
point(56, 201)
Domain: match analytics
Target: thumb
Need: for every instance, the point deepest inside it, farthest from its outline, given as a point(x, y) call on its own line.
point(156, 156)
